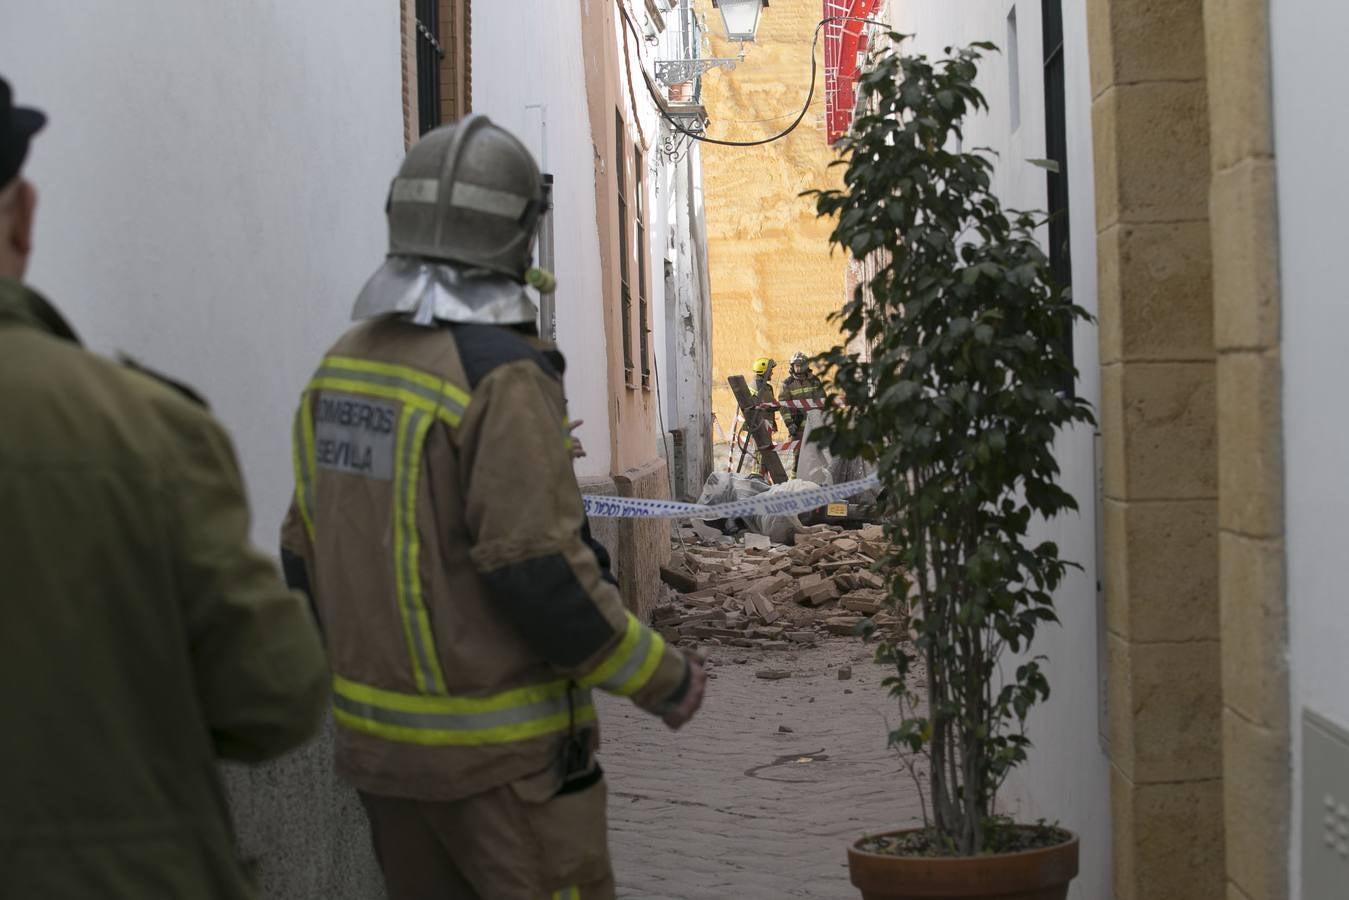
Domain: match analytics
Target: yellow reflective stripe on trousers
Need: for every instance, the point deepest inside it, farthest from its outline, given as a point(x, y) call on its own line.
point(503, 718)
point(568, 893)
point(303, 453)
point(630, 666)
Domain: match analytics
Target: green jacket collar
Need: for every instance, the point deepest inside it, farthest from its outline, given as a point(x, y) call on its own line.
point(25, 306)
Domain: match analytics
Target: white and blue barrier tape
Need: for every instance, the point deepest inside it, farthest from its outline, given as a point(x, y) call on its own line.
point(771, 504)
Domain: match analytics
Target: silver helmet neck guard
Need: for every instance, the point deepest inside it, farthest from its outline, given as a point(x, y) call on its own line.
point(463, 217)
point(430, 292)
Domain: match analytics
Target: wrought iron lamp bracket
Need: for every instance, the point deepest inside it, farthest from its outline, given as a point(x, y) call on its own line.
point(678, 71)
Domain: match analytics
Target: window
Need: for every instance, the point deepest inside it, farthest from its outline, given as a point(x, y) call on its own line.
point(435, 64)
point(1013, 72)
point(430, 56)
point(643, 315)
point(1056, 148)
point(456, 75)
point(625, 292)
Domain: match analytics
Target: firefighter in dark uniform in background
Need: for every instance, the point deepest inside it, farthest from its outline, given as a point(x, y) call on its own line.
point(439, 528)
point(800, 384)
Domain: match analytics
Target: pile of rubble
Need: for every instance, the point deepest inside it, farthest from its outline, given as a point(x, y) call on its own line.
point(755, 594)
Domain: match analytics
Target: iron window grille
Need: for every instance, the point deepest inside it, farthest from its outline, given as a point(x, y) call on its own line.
point(643, 315)
point(1056, 148)
point(625, 293)
point(430, 58)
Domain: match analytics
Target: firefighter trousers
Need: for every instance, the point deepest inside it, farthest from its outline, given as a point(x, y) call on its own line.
point(520, 841)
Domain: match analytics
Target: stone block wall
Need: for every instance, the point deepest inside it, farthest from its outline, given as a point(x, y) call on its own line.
point(1191, 412)
point(643, 545)
point(1251, 548)
point(1159, 402)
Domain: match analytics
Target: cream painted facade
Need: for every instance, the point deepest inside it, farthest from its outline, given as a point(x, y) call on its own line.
point(774, 280)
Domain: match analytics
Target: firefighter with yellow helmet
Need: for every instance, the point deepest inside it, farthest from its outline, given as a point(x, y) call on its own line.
point(763, 388)
point(438, 526)
point(761, 392)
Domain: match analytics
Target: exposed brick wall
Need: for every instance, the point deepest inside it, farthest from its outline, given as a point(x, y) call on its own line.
point(774, 278)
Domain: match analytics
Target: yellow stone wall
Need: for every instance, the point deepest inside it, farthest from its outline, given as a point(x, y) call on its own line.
point(773, 279)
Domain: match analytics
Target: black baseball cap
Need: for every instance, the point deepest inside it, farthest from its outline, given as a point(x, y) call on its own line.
point(17, 125)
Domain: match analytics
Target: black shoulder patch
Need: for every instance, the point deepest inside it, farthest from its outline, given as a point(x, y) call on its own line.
point(483, 348)
point(163, 379)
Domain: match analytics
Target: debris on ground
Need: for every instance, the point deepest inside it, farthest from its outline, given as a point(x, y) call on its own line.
point(752, 593)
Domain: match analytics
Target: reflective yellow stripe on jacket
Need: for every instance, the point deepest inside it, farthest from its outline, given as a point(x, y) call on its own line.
point(514, 715)
point(568, 893)
point(630, 666)
point(424, 398)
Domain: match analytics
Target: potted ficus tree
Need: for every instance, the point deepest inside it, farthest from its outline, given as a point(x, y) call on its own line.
point(963, 384)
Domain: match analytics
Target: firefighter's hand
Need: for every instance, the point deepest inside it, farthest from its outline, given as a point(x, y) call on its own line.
point(577, 450)
point(693, 696)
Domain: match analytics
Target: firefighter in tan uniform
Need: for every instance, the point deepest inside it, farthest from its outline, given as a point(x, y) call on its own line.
point(437, 525)
point(144, 636)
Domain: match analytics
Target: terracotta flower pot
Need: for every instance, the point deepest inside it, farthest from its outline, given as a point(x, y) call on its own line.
point(1041, 874)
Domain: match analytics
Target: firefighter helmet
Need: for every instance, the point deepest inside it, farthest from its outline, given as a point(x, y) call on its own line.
point(468, 193)
point(763, 364)
point(463, 217)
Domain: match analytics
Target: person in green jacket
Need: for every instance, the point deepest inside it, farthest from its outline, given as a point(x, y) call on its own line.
point(143, 637)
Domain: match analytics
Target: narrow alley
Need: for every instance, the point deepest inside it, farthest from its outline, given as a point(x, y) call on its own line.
point(479, 450)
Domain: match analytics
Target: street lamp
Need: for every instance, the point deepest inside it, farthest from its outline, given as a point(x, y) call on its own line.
point(741, 17)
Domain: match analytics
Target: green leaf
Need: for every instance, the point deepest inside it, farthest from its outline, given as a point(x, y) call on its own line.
point(1051, 165)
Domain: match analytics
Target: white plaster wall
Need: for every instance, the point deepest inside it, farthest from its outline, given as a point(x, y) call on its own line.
point(1067, 776)
point(212, 187)
point(528, 53)
point(1312, 198)
point(660, 195)
point(685, 324)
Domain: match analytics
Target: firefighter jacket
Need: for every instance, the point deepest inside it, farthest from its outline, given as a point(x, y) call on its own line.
point(438, 524)
point(143, 637)
point(763, 393)
point(793, 388)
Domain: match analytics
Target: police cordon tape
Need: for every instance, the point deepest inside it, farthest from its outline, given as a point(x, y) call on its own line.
point(779, 504)
point(793, 404)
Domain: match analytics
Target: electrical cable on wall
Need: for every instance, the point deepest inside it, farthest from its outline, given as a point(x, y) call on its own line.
point(800, 117)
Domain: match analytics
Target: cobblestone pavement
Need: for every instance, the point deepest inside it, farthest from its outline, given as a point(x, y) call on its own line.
point(731, 807)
